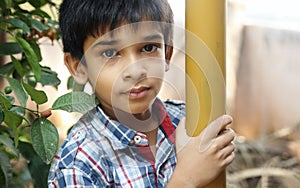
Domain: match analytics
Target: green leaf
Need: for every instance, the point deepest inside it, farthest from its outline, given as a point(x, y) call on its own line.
point(31, 80)
point(20, 1)
point(49, 77)
point(10, 48)
point(17, 65)
point(74, 102)
point(44, 137)
point(9, 2)
point(20, 24)
point(38, 96)
point(4, 102)
point(36, 49)
point(11, 99)
point(2, 4)
point(9, 144)
point(18, 90)
point(72, 84)
point(19, 13)
point(26, 150)
point(5, 130)
point(1, 116)
point(12, 119)
point(3, 178)
point(6, 69)
point(5, 169)
point(19, 110)
point(53, 23)
point(31, 57)
point(40, 13)
point(39, 172)
point(37, 3)
point(39, 26)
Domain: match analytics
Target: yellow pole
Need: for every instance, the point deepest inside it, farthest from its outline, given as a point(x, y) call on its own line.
point(205, 66)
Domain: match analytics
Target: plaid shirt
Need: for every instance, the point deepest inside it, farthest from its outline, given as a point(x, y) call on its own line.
point(100, 152)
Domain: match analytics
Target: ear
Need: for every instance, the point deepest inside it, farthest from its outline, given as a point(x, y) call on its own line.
point(76, 68)
point(169, 53)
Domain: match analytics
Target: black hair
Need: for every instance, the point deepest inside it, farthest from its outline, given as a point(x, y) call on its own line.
point(79, 19)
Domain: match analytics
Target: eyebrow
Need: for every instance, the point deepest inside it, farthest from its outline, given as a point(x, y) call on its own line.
point(153, 37)
point(106, 43)
point(113, 42)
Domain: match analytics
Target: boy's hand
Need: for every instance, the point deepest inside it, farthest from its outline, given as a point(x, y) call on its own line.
point(200, 159)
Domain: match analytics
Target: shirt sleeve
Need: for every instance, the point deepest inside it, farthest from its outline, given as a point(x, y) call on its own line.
point(72, 165)
point(70, 177)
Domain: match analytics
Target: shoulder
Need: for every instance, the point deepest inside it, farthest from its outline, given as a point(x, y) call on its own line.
point(175, 110)
point(68, 151)
point(176, 107)
point(80, 143)
point(84, 149)
point(176, 103)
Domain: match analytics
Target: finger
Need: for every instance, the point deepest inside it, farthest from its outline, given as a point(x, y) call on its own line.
point(181, 135)
point(228, 160)
point(226, 151)
point(225, 138)
point(215, 127)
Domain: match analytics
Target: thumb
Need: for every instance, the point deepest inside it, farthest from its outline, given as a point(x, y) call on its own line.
point(181, 136)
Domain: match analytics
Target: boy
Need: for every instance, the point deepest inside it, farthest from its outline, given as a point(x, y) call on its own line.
point(128, 140)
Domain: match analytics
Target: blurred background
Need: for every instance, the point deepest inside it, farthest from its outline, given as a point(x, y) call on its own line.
point(263, 89)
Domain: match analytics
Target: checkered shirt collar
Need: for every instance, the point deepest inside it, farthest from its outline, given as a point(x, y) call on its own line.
point(124, 136)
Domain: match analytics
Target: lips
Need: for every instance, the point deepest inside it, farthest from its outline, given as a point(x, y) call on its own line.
point(137, 92)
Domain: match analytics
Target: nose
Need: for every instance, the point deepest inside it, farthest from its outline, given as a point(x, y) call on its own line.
point(135, 70)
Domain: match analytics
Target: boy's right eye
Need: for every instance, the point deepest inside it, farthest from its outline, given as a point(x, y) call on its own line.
point(109, 53)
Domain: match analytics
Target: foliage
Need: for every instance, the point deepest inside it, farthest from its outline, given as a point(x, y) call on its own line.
point(25, 135)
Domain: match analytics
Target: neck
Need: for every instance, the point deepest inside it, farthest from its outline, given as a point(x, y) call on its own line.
point(142, 122)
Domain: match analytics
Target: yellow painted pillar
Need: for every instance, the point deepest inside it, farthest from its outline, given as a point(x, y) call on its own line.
point(205, 66)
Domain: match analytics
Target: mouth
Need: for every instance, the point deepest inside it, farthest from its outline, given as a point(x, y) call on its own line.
point(137, 92)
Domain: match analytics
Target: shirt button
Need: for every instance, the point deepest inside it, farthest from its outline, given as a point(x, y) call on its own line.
point(137, 139)
point(78, 134)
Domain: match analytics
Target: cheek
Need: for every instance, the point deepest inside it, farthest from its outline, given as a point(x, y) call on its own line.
point(157, 70)
point(99, 75)
point(103, 89)
point(107, 82)
point(103, 82)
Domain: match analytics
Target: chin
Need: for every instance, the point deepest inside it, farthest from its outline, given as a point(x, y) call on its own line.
point(140, 110)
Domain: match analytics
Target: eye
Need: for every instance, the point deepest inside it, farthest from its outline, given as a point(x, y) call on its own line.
point(109, 53)
point(149, 48)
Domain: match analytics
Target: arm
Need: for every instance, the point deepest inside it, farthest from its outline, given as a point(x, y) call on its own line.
point(200, 159)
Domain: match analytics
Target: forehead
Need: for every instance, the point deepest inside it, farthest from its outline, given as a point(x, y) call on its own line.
point(128, 34)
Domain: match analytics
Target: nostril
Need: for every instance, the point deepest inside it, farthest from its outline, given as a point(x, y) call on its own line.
point(134, 73)
point(127, 76)
point(143, 75)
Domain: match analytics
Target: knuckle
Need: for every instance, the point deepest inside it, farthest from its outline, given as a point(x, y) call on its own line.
point(214, 147)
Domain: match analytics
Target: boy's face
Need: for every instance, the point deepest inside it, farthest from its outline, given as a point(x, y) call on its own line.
point(126, 68)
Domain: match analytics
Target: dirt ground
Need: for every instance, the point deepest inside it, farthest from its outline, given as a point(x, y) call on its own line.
point(271, 162)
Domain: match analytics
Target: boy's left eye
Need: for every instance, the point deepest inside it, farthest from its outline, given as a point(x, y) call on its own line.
point(149, 48)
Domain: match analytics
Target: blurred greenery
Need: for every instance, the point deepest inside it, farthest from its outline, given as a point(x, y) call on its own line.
point(24, 134)
point(28, 140)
